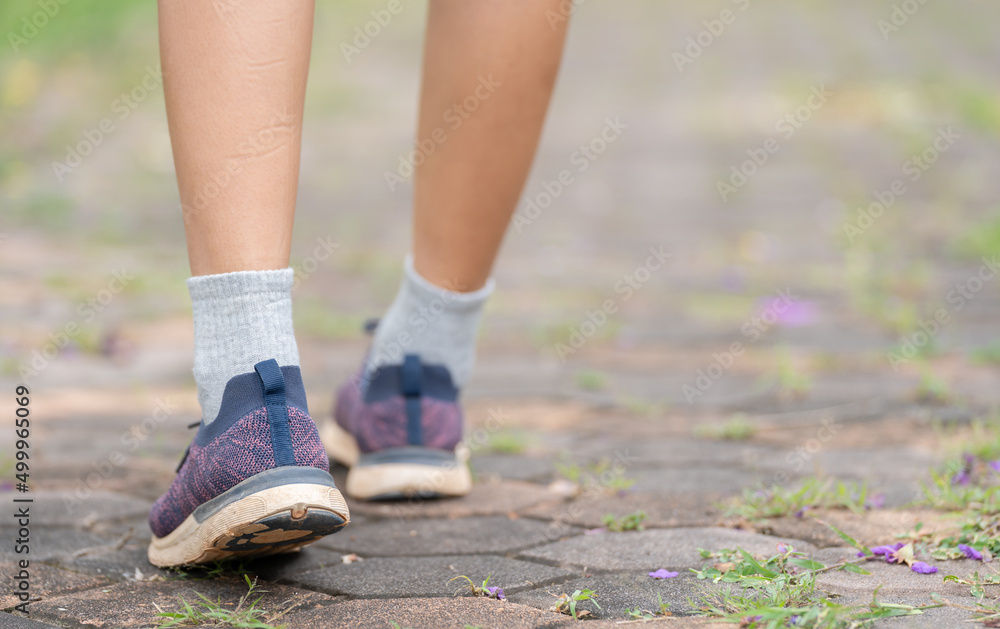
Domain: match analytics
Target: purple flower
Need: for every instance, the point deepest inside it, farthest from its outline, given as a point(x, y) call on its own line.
point(961, 478)
point(662, 573)
point(875, 502)
point(970, 552)
point(995, 466)
point(887, 551)
point(922, 568)
point(801, 512)
point(497, 592)
point(793, 314)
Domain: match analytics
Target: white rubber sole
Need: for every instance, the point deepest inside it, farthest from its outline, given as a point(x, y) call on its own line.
point(395, 479)
point(270, 521)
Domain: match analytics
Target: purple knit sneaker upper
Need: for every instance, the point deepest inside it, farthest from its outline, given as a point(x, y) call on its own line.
point(401, 405)
point(240, 443)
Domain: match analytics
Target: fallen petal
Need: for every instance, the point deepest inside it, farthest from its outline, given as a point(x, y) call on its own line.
point(970, 552)
point(923, 568)
point(663, 574)
point(886, 550)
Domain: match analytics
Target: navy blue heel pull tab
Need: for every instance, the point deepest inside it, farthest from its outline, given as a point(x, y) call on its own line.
point(273, 382)
point(409, 376)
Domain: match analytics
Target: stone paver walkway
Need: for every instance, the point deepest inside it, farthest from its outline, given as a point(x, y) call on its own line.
point(564, 387)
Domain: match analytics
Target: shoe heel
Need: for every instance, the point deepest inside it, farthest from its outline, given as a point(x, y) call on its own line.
point(276, 511)
point(409, 471)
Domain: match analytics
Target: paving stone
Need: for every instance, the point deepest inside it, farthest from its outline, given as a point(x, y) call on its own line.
point(512, 467)
point(869, 464)
point(686, 452)
point(488, 534)
point(674, 549)
point(429, 613)
point(115, 565)
point(673, 622)
point(121, 565)
point(131, 604)
point(289, 567)
point(57, 508)
point(618, 592)
point(486, 498)
point(135, 528)
point(47, 542)
point(703, 480)
point(45, 582)
point(428, 576)
point(589, 511)
point(900, 585)
point(878, 526)
point(142, 478)
point(16, 621)
point(931, 618)
point(898, 580)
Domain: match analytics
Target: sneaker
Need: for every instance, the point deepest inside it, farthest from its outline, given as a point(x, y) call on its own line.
point(254, 482)
point(398, 432)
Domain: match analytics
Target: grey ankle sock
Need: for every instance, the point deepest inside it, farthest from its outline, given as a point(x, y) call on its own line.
point(437, 324)
point(240, 319)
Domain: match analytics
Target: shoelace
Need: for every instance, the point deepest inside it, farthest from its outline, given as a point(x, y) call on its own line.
point(187, 450)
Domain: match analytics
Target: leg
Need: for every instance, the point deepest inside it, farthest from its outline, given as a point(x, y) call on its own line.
point(234, 81)
point(489, 69)
point(399, 427)
point(234, 77)
point(466, 191)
